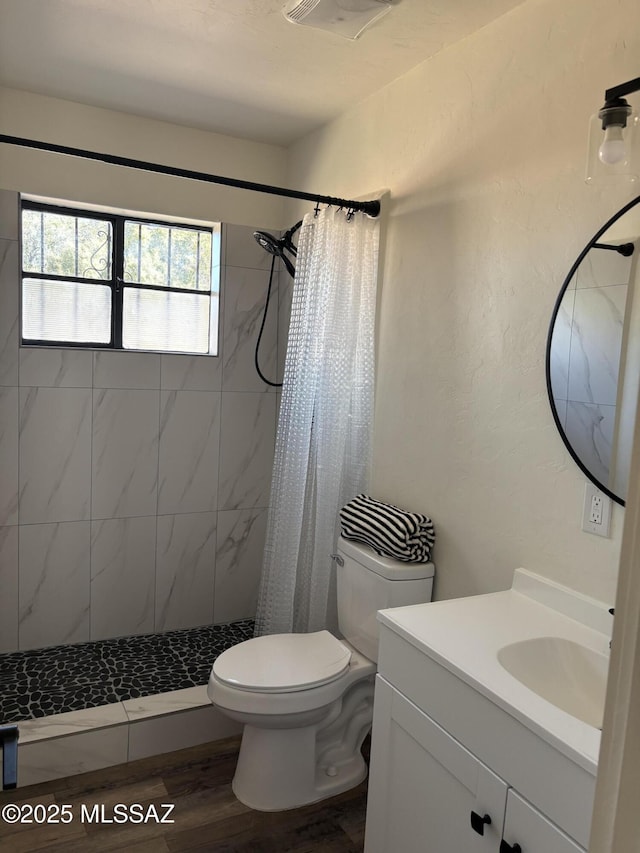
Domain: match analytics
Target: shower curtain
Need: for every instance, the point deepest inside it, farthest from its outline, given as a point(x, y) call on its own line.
point(323, 443)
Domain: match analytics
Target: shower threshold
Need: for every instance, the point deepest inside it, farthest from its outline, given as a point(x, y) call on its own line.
point(91, 705)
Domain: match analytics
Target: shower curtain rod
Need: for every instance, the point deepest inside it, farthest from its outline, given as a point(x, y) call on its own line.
point(372, 208)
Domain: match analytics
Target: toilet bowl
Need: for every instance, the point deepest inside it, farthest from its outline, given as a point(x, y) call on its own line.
point(295, 745)
point(306, 700)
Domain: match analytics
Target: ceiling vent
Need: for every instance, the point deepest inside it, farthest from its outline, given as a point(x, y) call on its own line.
point(346, 18)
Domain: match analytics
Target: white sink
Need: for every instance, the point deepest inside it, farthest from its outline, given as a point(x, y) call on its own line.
point(570, 676)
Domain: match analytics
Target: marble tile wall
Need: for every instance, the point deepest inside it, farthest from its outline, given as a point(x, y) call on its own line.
point(134, 487)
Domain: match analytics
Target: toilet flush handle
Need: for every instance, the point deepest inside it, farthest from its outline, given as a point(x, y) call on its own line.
point(337, 559)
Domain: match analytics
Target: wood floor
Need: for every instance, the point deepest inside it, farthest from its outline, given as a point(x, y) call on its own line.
point(207, 816)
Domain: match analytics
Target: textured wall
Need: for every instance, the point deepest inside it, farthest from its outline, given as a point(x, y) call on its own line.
point(107, 131)
point(133, 486)
point(483, 150)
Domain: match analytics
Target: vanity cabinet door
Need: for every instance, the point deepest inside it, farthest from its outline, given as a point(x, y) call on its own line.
point(527, 827)
point(424, 786)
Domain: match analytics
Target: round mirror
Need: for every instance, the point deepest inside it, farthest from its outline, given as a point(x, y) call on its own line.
point(593, 353)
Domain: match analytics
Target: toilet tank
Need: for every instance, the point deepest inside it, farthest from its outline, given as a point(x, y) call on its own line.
point(368, 582)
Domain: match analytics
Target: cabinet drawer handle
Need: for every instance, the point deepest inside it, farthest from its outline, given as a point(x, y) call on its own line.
point(509, 848)
point(478, 822)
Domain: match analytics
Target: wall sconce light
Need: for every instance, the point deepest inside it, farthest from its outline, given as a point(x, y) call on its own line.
point(614, 137)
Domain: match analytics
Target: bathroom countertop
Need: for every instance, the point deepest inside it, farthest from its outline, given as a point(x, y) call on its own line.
point(464, 636)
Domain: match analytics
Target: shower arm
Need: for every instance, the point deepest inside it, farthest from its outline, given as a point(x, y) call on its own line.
point(371, 208)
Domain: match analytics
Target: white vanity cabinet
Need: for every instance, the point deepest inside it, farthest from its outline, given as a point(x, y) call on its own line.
point(424, 785)
point(454, 772)
point(525, 826)
point(428, 794)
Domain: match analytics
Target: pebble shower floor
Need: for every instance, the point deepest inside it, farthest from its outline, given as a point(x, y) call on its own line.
point(41, 682)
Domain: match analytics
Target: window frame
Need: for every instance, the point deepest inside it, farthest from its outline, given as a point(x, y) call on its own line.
point(116, 283)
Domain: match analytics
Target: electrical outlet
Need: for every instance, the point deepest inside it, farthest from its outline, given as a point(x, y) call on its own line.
point(596, 513)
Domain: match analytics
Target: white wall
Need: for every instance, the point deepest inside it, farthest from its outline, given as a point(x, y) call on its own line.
point(24, 114)
point(483, 150)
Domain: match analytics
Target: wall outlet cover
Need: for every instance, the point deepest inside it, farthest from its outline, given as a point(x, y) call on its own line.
point(596, 511)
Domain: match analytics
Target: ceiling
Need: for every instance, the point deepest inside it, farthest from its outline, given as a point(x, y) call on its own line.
point(231, 66)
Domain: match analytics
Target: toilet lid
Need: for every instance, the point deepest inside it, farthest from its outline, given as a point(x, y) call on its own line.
point(283, 663)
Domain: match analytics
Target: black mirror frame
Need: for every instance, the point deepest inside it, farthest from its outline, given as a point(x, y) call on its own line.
point(552, 323)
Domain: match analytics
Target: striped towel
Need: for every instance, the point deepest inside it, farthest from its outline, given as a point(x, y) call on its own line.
point(389, 530)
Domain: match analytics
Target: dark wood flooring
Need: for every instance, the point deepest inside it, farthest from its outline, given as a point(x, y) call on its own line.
point(207, 815)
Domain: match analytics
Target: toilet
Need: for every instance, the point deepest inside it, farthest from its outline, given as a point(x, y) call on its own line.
point(306, 700)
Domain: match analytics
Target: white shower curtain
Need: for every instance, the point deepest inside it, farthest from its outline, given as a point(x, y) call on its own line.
point(323, 443)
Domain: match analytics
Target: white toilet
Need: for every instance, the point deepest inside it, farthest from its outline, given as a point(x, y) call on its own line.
point(306, 700)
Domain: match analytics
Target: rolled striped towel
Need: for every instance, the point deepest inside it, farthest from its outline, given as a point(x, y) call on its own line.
point(389, 530)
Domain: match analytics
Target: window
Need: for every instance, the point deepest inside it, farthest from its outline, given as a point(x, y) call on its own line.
point(104, 280)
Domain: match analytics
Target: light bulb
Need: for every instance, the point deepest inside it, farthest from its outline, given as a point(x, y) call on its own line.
point(613, 149)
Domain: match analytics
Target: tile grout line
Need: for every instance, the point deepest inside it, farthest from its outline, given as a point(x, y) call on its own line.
point(221, 333)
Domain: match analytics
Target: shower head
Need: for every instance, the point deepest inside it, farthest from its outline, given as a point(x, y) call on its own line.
point(268, 242)
point(277, 246)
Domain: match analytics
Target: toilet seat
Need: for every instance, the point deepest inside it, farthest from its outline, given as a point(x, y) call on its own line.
point(283, 663)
